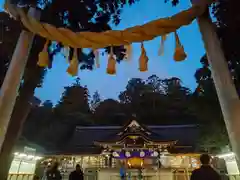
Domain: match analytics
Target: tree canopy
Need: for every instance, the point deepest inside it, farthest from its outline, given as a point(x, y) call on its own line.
point(153, 101)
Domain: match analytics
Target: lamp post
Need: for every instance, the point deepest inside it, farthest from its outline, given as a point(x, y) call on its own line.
point(226, 91)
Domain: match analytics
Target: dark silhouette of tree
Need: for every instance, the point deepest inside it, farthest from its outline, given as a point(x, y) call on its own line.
point(74, 100)
point(8, 28)
point(155, 83)
point(72, 110)
point(213, 131)
point(48, 104)
point(96, 99)
point(156, 99)
point(228, 26)
point(158, 102)
point(109, 112)
point(38, 119)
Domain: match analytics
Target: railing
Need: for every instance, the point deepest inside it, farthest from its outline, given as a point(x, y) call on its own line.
point(179, 176)
point(186, 176)
point(231, 177)
point(20, 176)
point(176, 176)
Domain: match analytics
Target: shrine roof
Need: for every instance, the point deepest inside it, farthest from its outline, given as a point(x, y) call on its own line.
point(134, 128)
point(82, 141)
point(153, 137)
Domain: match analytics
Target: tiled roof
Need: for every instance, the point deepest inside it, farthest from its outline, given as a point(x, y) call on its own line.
point(82, 141)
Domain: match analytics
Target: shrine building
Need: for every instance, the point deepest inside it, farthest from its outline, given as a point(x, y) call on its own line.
point(134, 146)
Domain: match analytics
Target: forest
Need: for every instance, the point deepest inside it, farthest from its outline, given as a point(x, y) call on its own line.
point(153, 101)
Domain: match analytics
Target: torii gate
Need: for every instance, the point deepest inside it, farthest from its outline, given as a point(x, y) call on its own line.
point(226, 91)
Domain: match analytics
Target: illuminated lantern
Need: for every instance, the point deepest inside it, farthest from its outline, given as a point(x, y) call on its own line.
point(133, 137)
point(155, 154)
point(127, 154)
point(135, 162)
point(115, 154)
point(142, 154)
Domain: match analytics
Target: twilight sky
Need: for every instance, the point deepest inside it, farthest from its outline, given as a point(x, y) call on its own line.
point(164, 66)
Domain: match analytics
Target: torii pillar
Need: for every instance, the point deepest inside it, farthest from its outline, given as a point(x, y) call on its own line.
point(226, 91)
point(13, 78)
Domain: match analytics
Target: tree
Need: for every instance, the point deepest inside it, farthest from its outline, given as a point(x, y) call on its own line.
point(134, 90)
point(159, 102)
point(9, 28)
point(156, 83)
point(96, 99)
point(73, 109)
point(156, 99)
point(227, 23)
point(48, 104)
point(109, 112)
point(206, 101)
point(74, 100)
point(38, 119)
point(78, 16)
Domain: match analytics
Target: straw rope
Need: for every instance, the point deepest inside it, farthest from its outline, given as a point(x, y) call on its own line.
point(96, 40)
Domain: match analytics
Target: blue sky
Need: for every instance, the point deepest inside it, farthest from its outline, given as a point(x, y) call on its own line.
point(164, 66)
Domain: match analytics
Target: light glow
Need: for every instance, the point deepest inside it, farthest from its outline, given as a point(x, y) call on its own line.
point(115, 154)
point(37, 158)
point(230, 154)
point(142, 154)
point(30, 156)
point(127, 154)
point(22, 155)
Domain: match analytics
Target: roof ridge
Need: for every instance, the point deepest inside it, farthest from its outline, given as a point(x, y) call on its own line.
point(149, 126)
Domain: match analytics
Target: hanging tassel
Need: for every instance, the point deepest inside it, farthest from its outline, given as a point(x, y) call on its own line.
point(43, 57)
point(73, 67)
point(128, 53)
point(97, 59)
point(143, 60)
point(179, 54)
point(111, 66)
point(161, 49)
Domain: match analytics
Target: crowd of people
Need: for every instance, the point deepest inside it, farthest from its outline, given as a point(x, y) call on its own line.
point(205, 172)
point(52, 173)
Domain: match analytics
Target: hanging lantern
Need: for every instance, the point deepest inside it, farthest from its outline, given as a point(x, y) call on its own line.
point(115, 154)
point(127, 154)
point(142, 154)
point(155, 154)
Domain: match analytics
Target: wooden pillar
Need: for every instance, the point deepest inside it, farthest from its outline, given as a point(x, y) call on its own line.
point(10, 86)
point(225, 87)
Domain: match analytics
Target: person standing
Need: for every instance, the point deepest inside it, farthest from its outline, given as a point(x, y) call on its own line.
point(77, 174)
point(205, 172)
point(46, 169)
point(122, 172)
point(53, 173)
